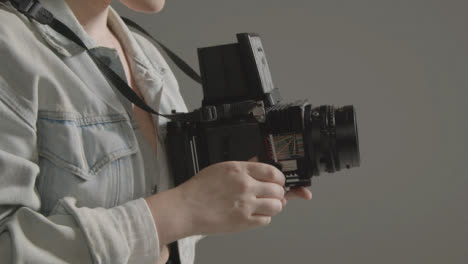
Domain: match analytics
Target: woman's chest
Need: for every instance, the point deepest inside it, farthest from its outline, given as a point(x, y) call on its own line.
point(88, 146)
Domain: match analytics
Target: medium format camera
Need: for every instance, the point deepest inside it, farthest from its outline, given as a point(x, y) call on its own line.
point(242, 116)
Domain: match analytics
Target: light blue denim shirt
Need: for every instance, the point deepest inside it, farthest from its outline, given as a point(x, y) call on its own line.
point(73, 164)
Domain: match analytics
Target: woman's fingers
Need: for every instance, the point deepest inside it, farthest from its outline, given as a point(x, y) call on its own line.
point(267, 207)
point(271, 175)
point(284, 201)
point(265, 173)
point(269, 190)
point(261, 220)
point(298, 192)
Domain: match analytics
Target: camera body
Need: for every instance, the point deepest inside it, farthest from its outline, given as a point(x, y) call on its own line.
point(242, 116)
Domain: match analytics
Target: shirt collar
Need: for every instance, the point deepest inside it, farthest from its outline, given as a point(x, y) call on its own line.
point(130, 45)
point(67, 47)
point(149, 76)
point(60, 43)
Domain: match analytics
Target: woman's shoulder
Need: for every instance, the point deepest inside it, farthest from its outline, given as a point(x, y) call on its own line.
point(20, 41)
point(20, 52)
point(14, 26)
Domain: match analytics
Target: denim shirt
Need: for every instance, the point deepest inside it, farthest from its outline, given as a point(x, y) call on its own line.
point(74, 166)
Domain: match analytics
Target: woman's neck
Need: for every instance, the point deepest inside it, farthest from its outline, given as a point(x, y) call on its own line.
point(92, 15)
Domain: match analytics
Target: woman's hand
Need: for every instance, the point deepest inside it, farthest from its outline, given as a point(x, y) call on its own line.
point(233, 196)
point(222, 198)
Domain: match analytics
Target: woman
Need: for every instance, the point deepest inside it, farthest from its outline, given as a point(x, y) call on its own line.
point(84, 174)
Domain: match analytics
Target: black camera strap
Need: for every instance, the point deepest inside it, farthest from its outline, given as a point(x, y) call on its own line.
point(34, 10)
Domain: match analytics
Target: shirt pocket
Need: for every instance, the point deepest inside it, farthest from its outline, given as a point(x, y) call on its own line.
point(88, 158)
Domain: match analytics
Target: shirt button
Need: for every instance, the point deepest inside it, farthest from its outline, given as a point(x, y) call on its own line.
point(155, 189)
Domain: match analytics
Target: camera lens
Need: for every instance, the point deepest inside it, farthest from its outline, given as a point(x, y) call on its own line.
point(332, 139)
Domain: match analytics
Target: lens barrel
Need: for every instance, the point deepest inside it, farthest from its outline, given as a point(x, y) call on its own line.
point(332, 138)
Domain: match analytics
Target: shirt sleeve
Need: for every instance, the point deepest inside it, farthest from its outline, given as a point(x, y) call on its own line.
point(70, 234)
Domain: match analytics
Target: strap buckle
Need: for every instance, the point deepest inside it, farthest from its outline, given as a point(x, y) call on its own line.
point(204, 114)
point(209, 113)
point(33, 9)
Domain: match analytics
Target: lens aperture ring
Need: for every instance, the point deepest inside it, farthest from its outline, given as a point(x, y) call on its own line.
point(331, 120)
point(328, 124)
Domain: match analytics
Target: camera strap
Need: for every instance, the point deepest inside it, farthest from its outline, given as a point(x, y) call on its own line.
point(34, 10)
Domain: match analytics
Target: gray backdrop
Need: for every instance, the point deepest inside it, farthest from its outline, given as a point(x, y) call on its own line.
point(403, 64)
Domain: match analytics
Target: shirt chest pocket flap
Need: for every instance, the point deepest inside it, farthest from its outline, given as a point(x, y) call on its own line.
point(86, 145)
